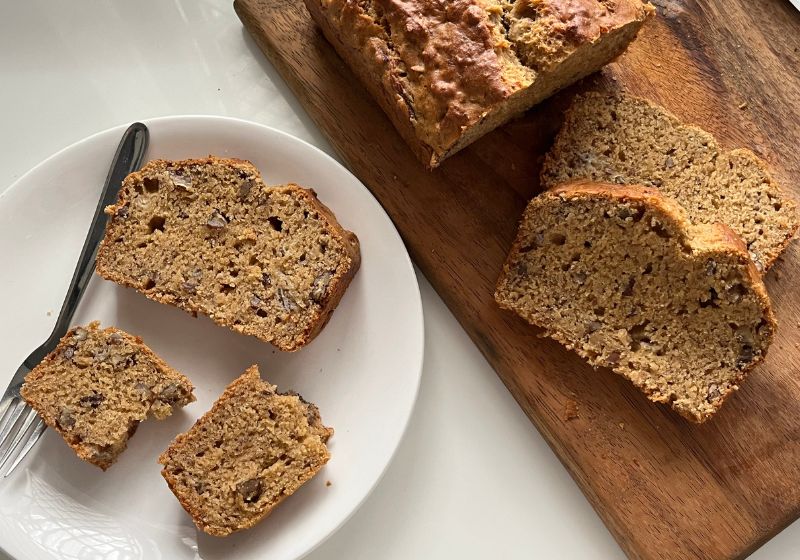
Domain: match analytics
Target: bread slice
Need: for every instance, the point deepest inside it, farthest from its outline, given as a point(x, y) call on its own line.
point(240, 460)
point(208, 236)
point(618, 274)
point(98, 385)
point(446, 73)
point(624, 139)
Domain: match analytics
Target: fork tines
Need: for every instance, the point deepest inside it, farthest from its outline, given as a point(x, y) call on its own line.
point(20, 428)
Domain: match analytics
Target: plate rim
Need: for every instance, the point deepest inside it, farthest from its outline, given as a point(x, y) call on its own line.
point(417, 300)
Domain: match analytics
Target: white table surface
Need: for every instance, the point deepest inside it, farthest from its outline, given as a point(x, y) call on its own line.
point(472, 478)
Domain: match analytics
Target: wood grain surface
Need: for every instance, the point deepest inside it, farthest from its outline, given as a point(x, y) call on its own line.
point(665, 488)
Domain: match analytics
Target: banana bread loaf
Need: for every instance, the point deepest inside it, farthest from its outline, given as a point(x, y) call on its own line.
point(240, 460)
point(618, 274)
point(446, 72)
point(623, 139)
point(98, 385)
point(208, 236)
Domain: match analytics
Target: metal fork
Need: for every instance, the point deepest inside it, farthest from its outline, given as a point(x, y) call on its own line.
point(20, 426)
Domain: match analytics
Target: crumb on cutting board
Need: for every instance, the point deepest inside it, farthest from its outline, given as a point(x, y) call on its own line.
point(570, 410)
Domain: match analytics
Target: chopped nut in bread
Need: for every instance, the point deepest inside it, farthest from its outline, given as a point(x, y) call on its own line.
point(98, 385)
point(208, 236)
point(254, 448)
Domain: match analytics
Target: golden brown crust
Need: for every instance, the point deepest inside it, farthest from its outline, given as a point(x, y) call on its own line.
point(376, 72)
point(639, 193)
point(447, 73)
point(322, 313)
point(706, 240)
point(340, 282)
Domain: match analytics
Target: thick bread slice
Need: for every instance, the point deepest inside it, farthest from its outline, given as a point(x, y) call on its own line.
point(448, 72)
point(98, 385)
point(618, 274)
point(624, 139)
point(208, 236)
point(252, 450)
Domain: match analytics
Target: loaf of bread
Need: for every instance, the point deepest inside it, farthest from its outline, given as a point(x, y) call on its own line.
point(446, 72)
point(98, 385)
point(618, 274)
point(253, 448)
point(623, 139)
point(208, 236)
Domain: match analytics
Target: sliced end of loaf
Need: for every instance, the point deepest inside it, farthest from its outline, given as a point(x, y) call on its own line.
point(440, 104)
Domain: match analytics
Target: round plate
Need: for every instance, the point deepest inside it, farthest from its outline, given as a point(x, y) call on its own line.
point(363, 370)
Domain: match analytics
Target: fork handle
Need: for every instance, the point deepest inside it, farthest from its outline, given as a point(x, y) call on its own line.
point(129, 157)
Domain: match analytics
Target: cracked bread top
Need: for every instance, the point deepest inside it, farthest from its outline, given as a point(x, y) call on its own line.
point(445, 64)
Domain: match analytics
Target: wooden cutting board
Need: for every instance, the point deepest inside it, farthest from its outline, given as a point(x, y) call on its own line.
point(665, 488)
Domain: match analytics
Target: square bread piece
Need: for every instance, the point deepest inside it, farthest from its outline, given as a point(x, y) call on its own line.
point(98, 385)
point(240, 460)
point(619, 275)
point(446, 72)
point(208, 236)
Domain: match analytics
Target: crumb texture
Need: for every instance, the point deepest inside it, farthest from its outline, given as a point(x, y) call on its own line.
point(208, 236)
point(450, 71)
point(626, 140)
point(98, 385)
point(619, 275)
point(254, 448)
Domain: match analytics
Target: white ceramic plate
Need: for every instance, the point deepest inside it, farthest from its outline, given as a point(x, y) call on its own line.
point(363, 370)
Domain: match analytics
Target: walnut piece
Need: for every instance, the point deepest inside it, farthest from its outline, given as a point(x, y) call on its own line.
point(250, 490)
